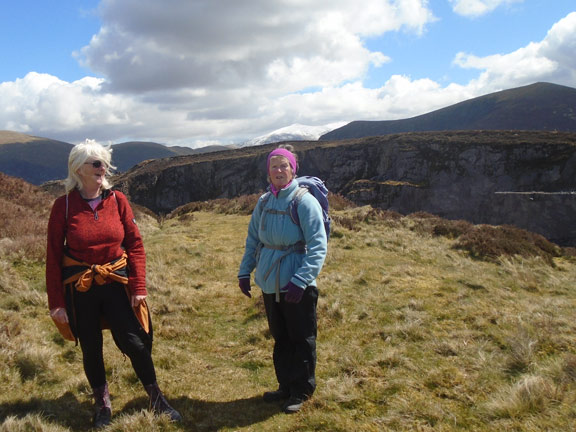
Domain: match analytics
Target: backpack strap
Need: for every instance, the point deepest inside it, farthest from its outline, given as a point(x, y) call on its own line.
point(300, 192)
point(265, 211)
point(264, 200)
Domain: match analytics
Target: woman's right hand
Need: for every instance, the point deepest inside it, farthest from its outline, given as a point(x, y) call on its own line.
point(59, 315)
point(244, 284)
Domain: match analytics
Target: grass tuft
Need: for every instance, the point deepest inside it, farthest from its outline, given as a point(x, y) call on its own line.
point(29, 423)
point(523, 346)
point(529, 396)
point(569, 368)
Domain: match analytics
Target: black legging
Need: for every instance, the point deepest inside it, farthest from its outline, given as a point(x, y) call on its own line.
point(293, 327)
point(111, 303)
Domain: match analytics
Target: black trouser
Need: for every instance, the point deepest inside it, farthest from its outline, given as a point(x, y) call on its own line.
point(293, 327)
point(111, 303)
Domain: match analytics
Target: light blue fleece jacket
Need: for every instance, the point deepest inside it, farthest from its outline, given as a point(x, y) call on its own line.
point(278, 230)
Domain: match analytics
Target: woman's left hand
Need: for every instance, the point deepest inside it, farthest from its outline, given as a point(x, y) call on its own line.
point(137, 300)
point(293, 293)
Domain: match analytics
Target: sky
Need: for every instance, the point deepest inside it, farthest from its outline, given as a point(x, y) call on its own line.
point(203, 72)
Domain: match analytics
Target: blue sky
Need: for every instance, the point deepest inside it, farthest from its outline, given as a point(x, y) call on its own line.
point(198, 72)
point(430, 55)
point(41, 36)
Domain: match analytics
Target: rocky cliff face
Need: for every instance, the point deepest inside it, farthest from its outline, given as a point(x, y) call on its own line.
point(526, 179)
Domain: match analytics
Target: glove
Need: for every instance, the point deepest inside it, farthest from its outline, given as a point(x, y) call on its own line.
point(293, 293)
point(244, 284)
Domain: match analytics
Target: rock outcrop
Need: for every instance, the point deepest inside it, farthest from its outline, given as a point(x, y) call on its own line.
point(527, 179)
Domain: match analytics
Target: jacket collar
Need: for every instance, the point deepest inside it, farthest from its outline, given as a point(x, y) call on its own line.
point(105, 194)
point(282, 193)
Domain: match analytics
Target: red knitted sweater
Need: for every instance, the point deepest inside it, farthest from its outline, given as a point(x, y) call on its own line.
point(94, 236)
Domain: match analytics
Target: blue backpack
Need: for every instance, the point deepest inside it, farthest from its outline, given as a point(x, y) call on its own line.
point(317, 188)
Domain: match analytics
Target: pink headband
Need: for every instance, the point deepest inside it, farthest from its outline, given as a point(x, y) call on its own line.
point(285, 153)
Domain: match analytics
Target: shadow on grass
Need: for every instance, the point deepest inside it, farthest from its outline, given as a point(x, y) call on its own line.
point(66, 411)
point(199, 415)
point(211, 416)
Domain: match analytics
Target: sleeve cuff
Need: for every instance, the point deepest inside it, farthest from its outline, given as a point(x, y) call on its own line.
point(300, 283)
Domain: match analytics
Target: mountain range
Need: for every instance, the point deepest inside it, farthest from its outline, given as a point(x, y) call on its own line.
point(540, 106)
point(38, 160)
point(295, 132)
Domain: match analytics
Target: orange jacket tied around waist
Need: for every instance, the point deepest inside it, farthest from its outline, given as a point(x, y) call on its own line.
point(100, 274)
point(81, 276)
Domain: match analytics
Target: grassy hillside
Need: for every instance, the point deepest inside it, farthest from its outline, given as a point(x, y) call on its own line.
point(424, 324)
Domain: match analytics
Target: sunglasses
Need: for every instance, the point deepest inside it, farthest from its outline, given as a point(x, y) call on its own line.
point(95, 164)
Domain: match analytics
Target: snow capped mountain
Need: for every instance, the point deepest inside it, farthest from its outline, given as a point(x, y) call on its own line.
point(295, 132)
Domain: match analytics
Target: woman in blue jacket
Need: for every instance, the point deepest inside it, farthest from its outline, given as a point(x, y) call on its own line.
point(287, 258)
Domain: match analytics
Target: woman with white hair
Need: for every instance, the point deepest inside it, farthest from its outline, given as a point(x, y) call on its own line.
point(96, 273)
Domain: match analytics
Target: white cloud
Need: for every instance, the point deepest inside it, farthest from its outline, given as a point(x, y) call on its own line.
point(214, 44)
point(47, 106)
point(207, 71)
point(551, 60)
point(476, 8)
point(560, 44)
point(400, 97)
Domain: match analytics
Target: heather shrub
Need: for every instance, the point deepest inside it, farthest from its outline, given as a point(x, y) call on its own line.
point(338, 202)
point(242, 205)
point(352, 219)
point(490, 242)
point(24, 211)
point(26, 195)
point(451, 228)
point(426, 223)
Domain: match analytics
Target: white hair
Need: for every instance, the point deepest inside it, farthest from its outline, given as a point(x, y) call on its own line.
point(79, 154)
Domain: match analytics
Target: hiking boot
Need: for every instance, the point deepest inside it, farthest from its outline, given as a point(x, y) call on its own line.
point(103, 414)
point(102, 418)
point(275, 396)
point(159, 404)
point(293, 405)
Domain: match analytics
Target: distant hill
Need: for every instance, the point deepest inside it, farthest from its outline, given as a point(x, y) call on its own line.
point(39, 160)
point(31, 158)
point(540, 106)
point(126, 155)
point(295, 132)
